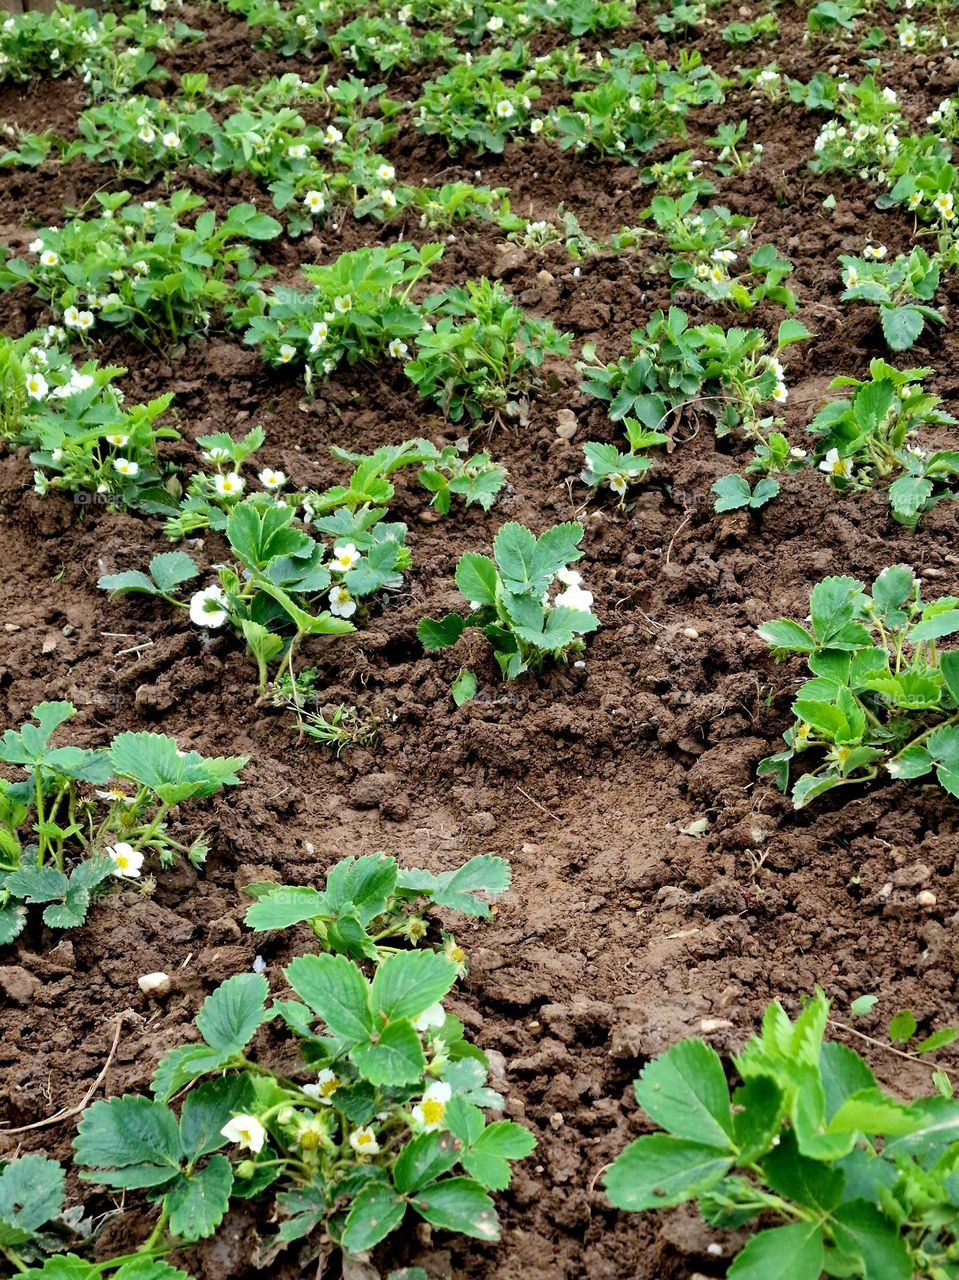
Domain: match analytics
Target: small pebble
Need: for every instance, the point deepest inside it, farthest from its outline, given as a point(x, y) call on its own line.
point(154, 984)
point(927, 898)
point(690, 633)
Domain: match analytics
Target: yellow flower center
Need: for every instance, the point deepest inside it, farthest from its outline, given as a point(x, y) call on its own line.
point(433, 1110)
point(363, 1139)
point(329, 1087)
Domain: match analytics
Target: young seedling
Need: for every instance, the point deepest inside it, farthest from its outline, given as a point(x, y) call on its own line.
point(371, 899)
point(66, 792)
point(883, 693)
point(510, 600)
point(846, 1178)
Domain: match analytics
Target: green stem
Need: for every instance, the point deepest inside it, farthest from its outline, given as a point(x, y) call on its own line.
point(38, 795)
point(156, 1234)
point(14, 1259)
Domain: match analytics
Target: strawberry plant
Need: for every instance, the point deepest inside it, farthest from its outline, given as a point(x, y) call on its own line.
point(901, 289)
point(883, 693)
point(674, 367)
point(705, 245)
point(279, 575)
point(474, 104)
point(36, 1227)
point(357, 307)
point(95, 813)
point(446, 473)
point(627, 114)
point(371, 901)
point(511, 601)
point(380, 44)
point(385, 1119)
point(872, 440)
point(109, 53)
point(138, 267)
point(845, 1178)
point(479, 353)
point(83, 440)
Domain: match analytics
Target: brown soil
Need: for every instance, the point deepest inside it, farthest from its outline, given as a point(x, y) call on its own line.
point(621, 933)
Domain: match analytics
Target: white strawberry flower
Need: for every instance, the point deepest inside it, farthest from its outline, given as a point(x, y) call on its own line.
point(430, 1114)
point(118, 441)
point(833, 465)
point(207, 607)
point(430, 1018)
point(126, 467)
point(246, 1131)
point(344, 557)
point(363, 1141)
point(343, 303)
point(271, 479)
point(569, 577)
point(85, 321)
point(504, 109)
point(327, 1083)
point(147, 134)
point(385, 173)
point(48, 258)
point(319, 334)
point(575, 598)
point(36, 246)
point(229, 486)
point(389, 199)
point(36, 386)
point(127, 861)
point(286, 353)
point(397, 348)
point(342, 604)
point(332, 135)
point(315, 201)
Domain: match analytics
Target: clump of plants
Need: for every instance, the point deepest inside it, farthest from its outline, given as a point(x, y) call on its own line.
point(883, 695)
point(371, 906)
point(527, 601)
point(137, 266)
point(901, 290)
point(872, 440)
point(479, 353)
point(677, 370)
point(359, 308)
point(845, 1178)
point(82, 816)
point(83, 440)
point(384, 1120)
